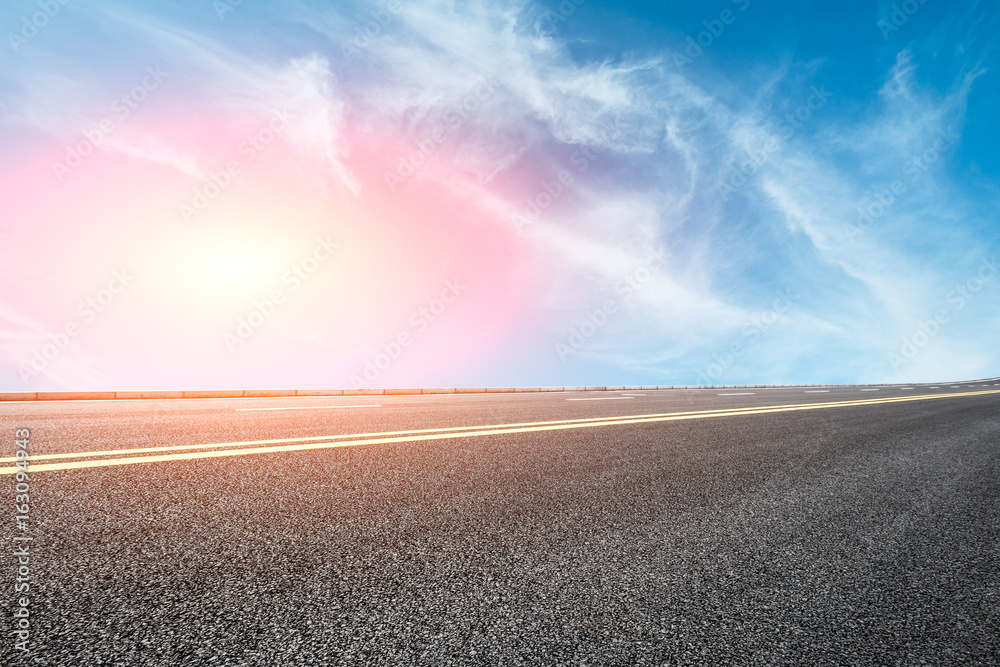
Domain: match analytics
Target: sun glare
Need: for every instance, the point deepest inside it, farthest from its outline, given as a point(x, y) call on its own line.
point(222, 264)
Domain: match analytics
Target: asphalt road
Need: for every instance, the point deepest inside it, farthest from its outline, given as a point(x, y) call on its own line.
point(720, 531)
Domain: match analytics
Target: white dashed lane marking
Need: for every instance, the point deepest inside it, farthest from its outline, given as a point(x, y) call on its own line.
point(309, 407)
point(607, 398)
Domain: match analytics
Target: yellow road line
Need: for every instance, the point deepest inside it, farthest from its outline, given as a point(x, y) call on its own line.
point(424, 435)
point(315, 438)
point(312, 438)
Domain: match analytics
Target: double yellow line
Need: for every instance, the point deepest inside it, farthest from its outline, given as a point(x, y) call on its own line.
point(119, 457)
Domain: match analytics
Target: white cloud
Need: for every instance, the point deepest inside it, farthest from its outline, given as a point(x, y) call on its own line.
point(668, 143)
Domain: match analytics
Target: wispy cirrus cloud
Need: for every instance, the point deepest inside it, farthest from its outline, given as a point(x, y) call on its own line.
point(550, 167)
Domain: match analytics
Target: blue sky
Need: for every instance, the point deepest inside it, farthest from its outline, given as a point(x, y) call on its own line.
point(752, 192)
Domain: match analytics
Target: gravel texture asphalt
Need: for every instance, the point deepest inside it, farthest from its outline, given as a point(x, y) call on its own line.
point(858, 535)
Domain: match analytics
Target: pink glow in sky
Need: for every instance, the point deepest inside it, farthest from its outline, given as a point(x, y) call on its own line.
point(280, 195)
point(265, 231)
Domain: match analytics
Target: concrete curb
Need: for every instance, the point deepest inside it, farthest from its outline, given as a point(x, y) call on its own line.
point(271, 393)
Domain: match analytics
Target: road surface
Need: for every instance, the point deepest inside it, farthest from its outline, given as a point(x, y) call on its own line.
point(819, 526)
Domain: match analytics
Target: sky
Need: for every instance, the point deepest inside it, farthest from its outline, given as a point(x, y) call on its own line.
point(237, 194)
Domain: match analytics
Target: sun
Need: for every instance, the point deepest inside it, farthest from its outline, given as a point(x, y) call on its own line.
point(224, 262)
